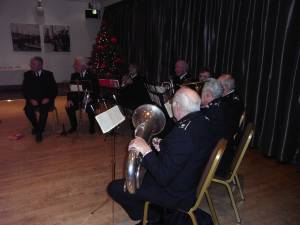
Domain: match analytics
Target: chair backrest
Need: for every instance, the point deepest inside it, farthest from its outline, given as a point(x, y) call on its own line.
point(240, 127)
point(241, 149)
point(242, 121)
point(209, 171)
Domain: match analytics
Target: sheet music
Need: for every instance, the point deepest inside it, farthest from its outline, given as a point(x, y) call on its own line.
point(76, 88)
point(169, 109)
point(110, 119)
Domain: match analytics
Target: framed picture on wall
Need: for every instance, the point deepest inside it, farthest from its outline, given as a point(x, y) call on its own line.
point(26, 37)
point(56, 38)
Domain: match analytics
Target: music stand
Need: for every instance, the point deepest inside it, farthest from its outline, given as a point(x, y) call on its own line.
point(109, 122)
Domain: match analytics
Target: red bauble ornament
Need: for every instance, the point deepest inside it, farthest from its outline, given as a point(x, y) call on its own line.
point(113, 40)
point(103, 66)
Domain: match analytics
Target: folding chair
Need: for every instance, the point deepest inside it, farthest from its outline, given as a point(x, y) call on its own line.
point(232, 176)
point(204, 183)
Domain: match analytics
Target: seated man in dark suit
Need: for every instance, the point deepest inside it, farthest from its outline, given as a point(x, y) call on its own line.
point(75, 100)
point(39, 90)
point(233, 108)
point(174, 170)
point(181, 74)
point(212, 107)
point(233, 104)
point(133, 92)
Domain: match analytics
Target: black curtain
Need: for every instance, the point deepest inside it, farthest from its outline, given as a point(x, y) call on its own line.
point(255, 40)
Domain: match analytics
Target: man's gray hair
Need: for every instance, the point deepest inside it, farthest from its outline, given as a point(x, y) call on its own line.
point(228, 83)
point(188, 101)
point(214, 86)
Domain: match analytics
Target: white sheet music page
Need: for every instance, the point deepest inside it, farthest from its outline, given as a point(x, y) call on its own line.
point(110, 119)
point(76, 88)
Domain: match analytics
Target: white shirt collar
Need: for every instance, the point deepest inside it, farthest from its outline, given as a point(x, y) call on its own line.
point(83, 73)
point(38, 73)
point(133, 75)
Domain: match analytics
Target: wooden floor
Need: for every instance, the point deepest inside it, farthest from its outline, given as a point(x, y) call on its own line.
point(62, 181)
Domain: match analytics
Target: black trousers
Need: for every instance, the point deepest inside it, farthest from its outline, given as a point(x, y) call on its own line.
point(71, 111)
point(38, 124)
point(133, 204)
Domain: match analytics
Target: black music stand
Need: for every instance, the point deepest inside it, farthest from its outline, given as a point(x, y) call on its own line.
point(109, 122)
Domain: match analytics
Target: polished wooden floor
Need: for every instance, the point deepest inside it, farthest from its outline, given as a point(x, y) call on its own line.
point(62, 181)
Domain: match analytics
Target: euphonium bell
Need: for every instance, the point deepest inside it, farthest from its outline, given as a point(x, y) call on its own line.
point(148, 120)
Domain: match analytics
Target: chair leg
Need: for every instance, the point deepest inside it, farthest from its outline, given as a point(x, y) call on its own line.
point(239, 187)
point(57, 118)
point(212, 208)
point(146, 209)
point(193, 218)
point(80, 118)
point(238, 219)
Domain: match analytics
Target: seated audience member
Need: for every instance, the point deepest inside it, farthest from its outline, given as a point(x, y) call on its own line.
point(233, 105)
point(204, 75)
point(181, 74)
point(39, 90)
point(211, 98)
point(133, 92)
point(233, 109)
point(175, 168)
point(75, 100)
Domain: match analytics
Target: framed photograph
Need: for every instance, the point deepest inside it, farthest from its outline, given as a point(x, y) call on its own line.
point(26, 37)
point(56, 38)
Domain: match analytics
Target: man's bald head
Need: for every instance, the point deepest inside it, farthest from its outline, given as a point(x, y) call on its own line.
point(227, 82)
point(80, 64)
point(181, 67)
point(185, 101)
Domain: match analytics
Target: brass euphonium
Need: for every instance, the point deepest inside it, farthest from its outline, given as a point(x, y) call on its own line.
point(86, 99)
point(148, 120)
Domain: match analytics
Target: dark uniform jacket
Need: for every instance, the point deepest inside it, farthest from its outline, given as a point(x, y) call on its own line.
point(233, 109)
point(173, 174)
point(224, 114)
point(39, 87)
point(215, 112)
point(135, 94)
point(89, 82)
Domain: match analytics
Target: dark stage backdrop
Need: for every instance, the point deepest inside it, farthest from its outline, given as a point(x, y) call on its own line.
point(258, 41)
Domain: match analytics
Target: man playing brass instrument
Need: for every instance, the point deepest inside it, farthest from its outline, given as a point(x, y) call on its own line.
point(75, 100)
point(174, 167)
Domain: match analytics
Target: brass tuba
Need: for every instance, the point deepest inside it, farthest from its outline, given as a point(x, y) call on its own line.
point(148, 120)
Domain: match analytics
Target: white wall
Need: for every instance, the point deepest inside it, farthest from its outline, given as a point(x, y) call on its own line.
point(57, 12)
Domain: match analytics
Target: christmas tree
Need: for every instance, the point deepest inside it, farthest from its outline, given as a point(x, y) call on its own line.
point(106, 61)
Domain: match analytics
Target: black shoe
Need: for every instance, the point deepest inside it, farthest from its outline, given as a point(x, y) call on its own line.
point(92, 130)
point(72, 130)
point(38, 138)
point(34, 131)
